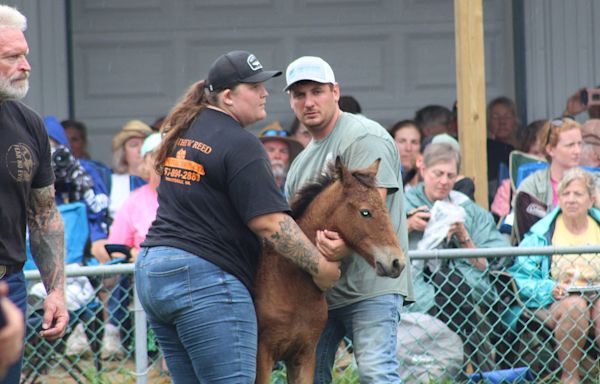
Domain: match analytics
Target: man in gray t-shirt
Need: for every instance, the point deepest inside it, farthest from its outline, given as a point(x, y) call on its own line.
point(362, 305)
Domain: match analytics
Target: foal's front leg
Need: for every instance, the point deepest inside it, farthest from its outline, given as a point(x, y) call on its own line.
point(302, 370)
point(264, 364)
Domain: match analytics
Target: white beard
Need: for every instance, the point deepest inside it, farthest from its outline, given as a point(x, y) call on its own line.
point(280, 170)
point(10, 90)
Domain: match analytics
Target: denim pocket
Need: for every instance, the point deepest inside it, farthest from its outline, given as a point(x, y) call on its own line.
point(170, 290)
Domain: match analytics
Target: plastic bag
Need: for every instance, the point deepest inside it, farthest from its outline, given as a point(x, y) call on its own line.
point(427, 349)
point(443, 215)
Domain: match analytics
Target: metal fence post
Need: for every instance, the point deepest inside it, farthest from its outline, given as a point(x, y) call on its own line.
point(141, 341)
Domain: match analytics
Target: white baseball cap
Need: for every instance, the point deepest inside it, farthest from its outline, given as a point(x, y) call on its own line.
point(150, 143)
point(310, 68)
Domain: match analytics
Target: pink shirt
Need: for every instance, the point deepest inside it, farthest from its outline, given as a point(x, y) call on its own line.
point(501, 204)
point(554, 185)
point(134, 217)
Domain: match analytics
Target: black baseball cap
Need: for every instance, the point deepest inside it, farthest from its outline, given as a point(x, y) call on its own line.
point(236, 67)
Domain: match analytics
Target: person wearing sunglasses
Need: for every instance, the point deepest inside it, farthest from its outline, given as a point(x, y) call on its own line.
point(281, 148)
point(561, 144)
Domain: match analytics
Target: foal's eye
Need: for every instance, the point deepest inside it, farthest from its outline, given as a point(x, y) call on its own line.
point(365, 213)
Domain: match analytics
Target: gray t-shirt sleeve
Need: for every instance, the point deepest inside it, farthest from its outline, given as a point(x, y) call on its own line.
point(365, 150)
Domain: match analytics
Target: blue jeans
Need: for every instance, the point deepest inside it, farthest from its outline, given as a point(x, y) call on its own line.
point(17, 292)
point(372, 326)
point(203, 317)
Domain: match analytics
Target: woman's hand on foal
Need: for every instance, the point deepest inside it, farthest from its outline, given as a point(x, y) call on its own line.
point(329, 272)
point(331, 245)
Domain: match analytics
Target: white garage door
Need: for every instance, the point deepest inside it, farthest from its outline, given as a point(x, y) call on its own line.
point(134, 58)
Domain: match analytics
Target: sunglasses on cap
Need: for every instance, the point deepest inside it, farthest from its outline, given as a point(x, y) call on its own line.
point(275, 133)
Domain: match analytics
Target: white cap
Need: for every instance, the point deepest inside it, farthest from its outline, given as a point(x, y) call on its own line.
point(150, 143)
point(308, 68)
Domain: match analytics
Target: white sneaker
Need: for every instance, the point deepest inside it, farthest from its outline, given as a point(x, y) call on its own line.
point(77, 343)
point(111, 344)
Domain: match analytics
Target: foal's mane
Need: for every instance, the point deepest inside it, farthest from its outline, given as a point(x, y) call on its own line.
point(307, 193)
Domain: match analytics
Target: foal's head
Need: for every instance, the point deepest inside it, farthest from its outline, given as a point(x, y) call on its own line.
point(349, 202)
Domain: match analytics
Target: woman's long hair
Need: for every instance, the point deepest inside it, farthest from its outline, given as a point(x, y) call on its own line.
point(180, 118)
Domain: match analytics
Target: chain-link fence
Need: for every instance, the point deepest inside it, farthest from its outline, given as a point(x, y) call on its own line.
point(107, 340)
point(501, 324)
point(504, 322)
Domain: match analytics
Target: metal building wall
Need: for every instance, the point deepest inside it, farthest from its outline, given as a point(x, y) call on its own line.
point(134, 58)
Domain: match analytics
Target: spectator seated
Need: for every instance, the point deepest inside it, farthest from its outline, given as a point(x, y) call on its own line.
point(458, 291)
point(564, 290)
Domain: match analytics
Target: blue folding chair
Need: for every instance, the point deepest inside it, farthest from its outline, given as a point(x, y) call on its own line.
point(527, 169)
point(591, 169)
point(77, 232)
point(76, 229)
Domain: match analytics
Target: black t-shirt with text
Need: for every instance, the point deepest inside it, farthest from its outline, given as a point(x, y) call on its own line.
point(24, 164)
point(215, 181)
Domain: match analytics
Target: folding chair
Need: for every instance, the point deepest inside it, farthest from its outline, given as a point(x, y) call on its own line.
point(121, 294)
point(527, 169)
point(42, 354)
point(521, 160)
point(591, 169)
point(521, 165)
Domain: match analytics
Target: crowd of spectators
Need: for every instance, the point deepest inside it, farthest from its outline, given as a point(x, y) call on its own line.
point(440, 208)
point(564, 186)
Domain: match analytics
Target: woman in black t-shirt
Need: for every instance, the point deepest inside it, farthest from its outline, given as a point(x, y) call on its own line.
point(217, 203)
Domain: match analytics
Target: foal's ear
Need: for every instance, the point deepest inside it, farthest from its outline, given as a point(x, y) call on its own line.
point(373, 168)
point(341, 169)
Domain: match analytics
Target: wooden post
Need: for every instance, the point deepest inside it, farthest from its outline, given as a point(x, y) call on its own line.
point(470, 86)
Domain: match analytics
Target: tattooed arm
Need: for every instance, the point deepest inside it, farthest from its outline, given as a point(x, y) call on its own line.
point(46, 236)
point(281, 232)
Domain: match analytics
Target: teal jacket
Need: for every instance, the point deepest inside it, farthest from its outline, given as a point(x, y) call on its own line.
point(482, 230)
point(532, 273)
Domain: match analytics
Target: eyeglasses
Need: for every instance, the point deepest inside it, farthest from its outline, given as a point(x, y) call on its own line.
point(275, 133)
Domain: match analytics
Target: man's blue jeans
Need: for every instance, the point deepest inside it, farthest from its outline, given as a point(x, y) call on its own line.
point(203, 317)
point(17, 292)
point(372, 326)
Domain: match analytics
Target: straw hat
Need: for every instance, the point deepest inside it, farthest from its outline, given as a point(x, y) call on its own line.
point(274, 131)
point(133, 128)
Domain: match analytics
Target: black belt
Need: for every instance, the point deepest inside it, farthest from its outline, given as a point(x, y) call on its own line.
point(7, 270)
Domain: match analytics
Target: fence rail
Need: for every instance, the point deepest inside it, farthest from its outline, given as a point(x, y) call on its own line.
point(500, 335)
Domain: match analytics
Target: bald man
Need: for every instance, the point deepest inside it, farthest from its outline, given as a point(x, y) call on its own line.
point(590, 154)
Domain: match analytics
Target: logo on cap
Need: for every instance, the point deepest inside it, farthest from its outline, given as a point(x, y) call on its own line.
point(253, 63)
